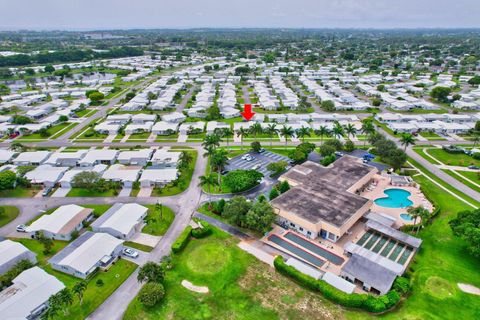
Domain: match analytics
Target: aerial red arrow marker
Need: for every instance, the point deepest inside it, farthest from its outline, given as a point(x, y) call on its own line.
point(247, 112)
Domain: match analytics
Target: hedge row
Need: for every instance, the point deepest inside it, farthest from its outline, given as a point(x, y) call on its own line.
point(360, 301)
point(201, 232)
point(182, 240)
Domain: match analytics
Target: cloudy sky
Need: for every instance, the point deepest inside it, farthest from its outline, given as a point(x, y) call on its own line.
point(127, 14)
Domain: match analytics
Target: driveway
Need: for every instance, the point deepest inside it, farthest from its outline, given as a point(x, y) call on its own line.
point(61, 193)
point(146, 239)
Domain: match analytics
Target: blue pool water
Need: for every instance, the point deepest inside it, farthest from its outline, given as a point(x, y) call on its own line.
point(396, 198)
point(406, 217)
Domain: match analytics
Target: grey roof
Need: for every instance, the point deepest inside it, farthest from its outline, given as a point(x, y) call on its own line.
point(304, 268)
point(70, 248)
point(395, 234)
point(381, 218)
point(391, 265)
point(338, 282)
point(321, 193)
point(370, 273)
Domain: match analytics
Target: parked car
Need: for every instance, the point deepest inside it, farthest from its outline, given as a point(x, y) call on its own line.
point(224, 172)
point(249, 158)
point(474, 167)
point(22, 228)
point(262, 150)
point(130, 253)
point(46, 191)
point(244, 157)
point(339, 154)
point(256, 167)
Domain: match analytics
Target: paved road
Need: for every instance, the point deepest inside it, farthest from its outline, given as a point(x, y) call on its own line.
point(185, 99)
point(434, 169)
point(246, 95)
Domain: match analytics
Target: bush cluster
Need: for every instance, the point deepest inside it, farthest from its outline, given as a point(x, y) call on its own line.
point(360, 301)
point(201, 232)
point(182, 240)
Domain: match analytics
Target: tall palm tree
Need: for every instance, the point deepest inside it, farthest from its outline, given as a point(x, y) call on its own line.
point(242, 132)
point(226, 133)
point(271, 130)
point(476, 139)
point(256, 129)
point(304, 132)
point(367, 129)
point(406, 140)
point(286, 132)
point(416, 212)
point(337, 130)
point(211, 140)
point(209, 152)
point(209, 181)
point(185, 158)
point(322, 131)
point(219, 161)
point(350, 130)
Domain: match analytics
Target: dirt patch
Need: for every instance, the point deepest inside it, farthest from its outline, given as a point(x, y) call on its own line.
point(287, 298)
point(468, 288)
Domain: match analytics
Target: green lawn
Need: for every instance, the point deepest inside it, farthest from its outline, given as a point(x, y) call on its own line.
point(95, 135)
point(9, 214)
point(453, 159)
point(431, 135)
point(196, 137)
point(86, 111)
point(442, 262)
point(156, 225)
point(53, 131)
point(170, 137)
point(138, 246)
point(183, 181)
point(80, 192)
point(19, 192)
point(240, 287)
point(139, 137)
point(93, 295)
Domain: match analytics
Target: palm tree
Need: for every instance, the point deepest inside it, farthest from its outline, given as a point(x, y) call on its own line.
point(219, 161)
point(406, 140)
point(79, 288)
point(367, 129)
point(416, 212)
point(65, 298)
point(350, 130)
point(271, 130)
point(226, 133)
point(476, 139)
point(255, 129)
point(211, 140)
point(242, 132)
point(209, 152)
point(304, 132)
point(209, 181)
point(322, 131)
point(337, 130)
point(286, 132)
point(185, 159)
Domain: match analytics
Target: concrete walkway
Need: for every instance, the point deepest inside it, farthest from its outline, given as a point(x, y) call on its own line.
point(61, 192)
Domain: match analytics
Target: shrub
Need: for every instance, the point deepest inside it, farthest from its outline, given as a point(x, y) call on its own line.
point(401, 285)
point(326, 150)
point(151, 294)
point(99, 283)
point(349, 146)
point(256, 146)
point(273, 194)
point(201, 232)
point(241, 180)
point(284, 186)
point(219, 206)
point(182, 240)
point(328, 160)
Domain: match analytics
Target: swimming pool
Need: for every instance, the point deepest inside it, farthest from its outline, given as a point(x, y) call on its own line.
point(406, 217)
point(396, 198)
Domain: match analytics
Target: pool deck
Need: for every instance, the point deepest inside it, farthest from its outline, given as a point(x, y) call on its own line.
point(382, 182)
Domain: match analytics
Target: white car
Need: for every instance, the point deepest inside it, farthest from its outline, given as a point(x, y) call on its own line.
point(22, 228)
point(130, 253)
point(256, 167)
point(245, 156)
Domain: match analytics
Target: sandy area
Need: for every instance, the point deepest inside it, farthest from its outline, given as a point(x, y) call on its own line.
point(468, 288)
point(190, 286)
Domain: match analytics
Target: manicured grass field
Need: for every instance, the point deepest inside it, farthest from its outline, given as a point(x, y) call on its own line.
point(170, 137)
point(96, 136)
point(183, 181)
point(240, 287)
point(156, 225)
point(431, 135)
point(80, 192)
point(453, 159)
point(53, 131)
point(136, 137)
point(8, 215)
point(18, 192)
point(138, 246)
point(442, 262)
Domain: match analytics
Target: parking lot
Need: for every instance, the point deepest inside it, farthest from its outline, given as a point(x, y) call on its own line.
point(261, 160)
